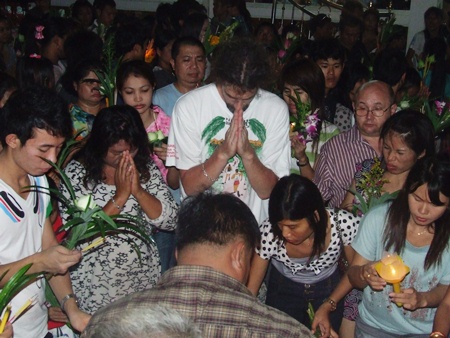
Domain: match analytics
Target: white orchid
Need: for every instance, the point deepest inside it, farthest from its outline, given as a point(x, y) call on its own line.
point(85, 202)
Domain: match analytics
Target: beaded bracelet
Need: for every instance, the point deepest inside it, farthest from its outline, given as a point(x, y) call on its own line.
point(206, 174)
point(331, 302)
point(116, 205)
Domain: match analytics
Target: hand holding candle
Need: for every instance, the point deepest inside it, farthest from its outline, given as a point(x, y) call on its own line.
point(392, 269)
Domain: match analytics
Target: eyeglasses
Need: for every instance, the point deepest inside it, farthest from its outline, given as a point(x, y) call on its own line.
point(377, 112)
point(90, 82)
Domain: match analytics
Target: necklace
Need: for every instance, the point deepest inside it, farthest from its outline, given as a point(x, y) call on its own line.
point(422, 232)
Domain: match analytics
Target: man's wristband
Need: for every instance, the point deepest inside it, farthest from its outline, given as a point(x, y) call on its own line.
point(304, 163)
point(66, 298)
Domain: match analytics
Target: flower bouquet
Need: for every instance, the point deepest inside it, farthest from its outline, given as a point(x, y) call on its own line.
point(305, 122)
point(439, 114)
point(212, 41)
point(370, 189)
point(285, 52)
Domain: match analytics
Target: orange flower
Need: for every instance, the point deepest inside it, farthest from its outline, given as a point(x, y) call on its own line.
point(150, 52)
point(214, 40)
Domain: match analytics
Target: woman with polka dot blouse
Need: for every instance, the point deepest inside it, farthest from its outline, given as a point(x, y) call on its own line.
point(303, 242)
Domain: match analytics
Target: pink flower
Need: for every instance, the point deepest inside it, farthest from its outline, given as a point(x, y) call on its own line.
point(439, 107)
point(281, 54)
point(287, 43)
point(311, 130)
point(301, 138)
point(38, 34)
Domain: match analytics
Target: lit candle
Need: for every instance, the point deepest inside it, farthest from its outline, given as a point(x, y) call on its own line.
point(392, 269)
point(292, 127)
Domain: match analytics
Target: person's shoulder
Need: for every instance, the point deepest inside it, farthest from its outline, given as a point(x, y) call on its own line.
point(267, 97)
point(164, 90)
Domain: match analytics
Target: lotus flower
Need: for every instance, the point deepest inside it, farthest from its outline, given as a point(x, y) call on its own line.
point(392, 269)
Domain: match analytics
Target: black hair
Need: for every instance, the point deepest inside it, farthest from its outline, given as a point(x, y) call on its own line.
point(185, 41)
point(193, 25)
point(435, 172)
point(112, 125)
point(294, 198)
point(241, 62)
point(34, 107)
point(78, 5)
point(163, 37)
point(389, 66)
point(129, 35)
point(52, 26)
point(7, 82)
point(101, 4)
point(78, 72)
point(352, 73)
point(307, 75)
point(414, 128)
point(320, 20)
point(216, 219)
point(138, 68)
point(82, 45)
point(35, 71)
point(327, 49)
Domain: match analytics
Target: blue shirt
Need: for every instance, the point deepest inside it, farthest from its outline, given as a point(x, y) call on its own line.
point(376, 309)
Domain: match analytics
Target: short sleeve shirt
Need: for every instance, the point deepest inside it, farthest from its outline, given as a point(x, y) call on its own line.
point(271, 247)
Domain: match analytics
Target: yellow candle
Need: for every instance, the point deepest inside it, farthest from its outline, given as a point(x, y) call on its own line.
point(5, 318)
point(397, 290)
point(21, 310)
point(94, 244)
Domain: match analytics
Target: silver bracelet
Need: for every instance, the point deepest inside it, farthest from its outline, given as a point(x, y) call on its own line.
point(206, 174)
point(116, 205)
point(66, 298)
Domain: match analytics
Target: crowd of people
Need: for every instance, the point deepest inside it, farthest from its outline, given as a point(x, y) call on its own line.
point(267, 176)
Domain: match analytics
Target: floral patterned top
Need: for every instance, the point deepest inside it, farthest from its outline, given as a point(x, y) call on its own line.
point(162, 122)
point(272, 247)
point(81, 121)
point(115, 269)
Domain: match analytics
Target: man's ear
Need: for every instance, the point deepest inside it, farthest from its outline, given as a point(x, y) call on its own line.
point(12, 141)
point(172, 63)
point(239, 258)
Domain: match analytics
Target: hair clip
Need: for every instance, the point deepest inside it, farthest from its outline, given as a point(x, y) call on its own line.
point(38, 34)
point(35, 56)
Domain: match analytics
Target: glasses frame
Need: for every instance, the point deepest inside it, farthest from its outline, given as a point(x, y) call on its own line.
point(372, 111)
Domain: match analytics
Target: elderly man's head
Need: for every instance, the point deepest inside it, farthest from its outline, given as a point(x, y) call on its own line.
point(374, 104)
point(218, 231)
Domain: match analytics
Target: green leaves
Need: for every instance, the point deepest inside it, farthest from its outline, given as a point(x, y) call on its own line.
point(15, 284)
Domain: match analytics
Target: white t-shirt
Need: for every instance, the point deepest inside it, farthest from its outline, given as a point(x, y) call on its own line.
point(199, 122)
point(21, 229)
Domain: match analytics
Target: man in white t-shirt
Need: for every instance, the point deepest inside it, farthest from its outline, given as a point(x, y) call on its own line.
point(232, 136)
point(35, 124)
